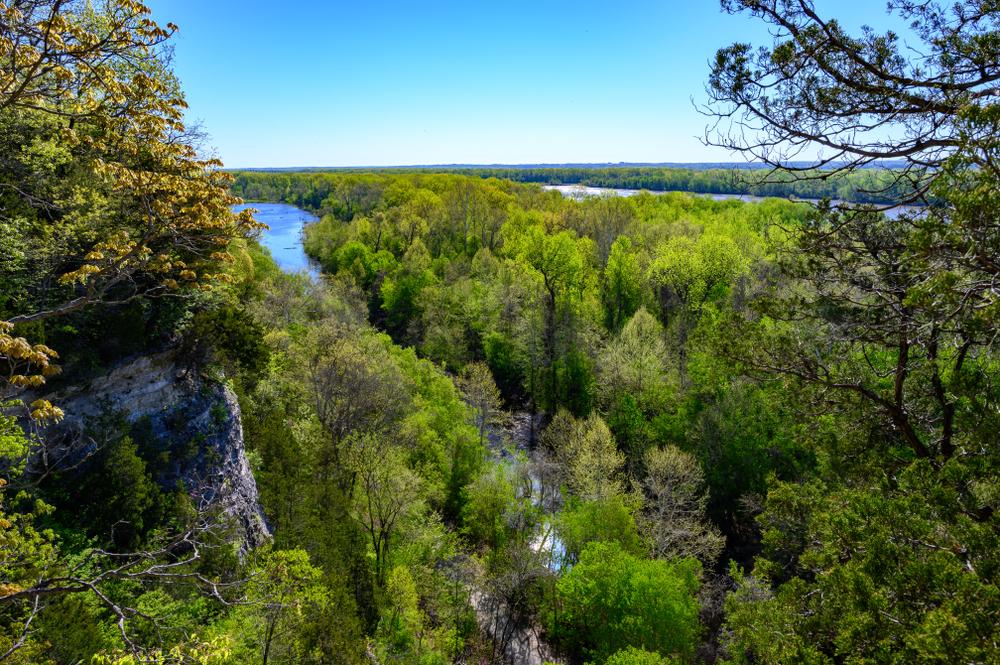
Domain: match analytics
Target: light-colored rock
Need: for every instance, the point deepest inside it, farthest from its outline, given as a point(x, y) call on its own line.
point(196, 413)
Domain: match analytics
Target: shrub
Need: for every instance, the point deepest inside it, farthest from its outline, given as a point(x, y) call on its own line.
point(612, 600)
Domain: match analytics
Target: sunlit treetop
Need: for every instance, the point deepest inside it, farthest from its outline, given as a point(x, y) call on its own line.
point(101, 72)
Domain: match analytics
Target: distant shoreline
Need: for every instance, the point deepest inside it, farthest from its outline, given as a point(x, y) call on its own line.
point(871, 186)
point(695, 166)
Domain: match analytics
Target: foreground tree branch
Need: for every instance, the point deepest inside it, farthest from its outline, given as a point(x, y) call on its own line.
point(839, 103)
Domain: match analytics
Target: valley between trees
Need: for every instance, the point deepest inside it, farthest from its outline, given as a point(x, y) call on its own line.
point(644, 430)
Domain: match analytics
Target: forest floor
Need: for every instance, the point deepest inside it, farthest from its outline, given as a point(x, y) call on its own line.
point(523, 644)
point(521, 431)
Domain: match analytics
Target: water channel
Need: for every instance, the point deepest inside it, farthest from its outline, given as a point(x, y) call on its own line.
point(580, 192)
point(284, 239)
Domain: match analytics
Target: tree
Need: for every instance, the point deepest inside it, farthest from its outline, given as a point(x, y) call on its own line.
point(742, 439)
point(605, 520)
point(558, 261)
point(607, 218)
point(635, 363)
point(465, 206)
point(355, 389)
point(387, 492)
point(843, 103)
point(913, 403)
point(956, 244)
point(691, 268)
point(495, 215)
point(635, 384)
point(214, 652)
point(894, 311)
point(360, 194)
point(33, 572)
point(674, 521)
point(490, 499)
point(276, 613)
point(114, 494)
point(634, 656)
point(868, 574)
point(417, 216)
point(505, 596)
point(884, 336)
point(611, 600)
point(288, 602)
point(853, 330)
point(483, 397)
point(590, 460)
point(117, 112)
point(402, 591)
point(622, 284)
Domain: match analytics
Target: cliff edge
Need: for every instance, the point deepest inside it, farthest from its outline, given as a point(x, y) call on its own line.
point(201, 414)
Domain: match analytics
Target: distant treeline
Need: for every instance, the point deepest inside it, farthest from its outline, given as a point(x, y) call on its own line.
point(309, 188)
point(868, 186)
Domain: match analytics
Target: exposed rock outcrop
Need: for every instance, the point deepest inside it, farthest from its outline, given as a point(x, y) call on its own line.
point(202, 416)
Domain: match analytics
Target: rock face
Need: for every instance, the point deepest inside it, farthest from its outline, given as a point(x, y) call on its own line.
point(201, 415)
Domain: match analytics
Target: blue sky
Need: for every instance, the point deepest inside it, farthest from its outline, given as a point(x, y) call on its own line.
point(309, 83)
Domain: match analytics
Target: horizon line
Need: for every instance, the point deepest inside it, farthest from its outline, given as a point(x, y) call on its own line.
point(580, 165)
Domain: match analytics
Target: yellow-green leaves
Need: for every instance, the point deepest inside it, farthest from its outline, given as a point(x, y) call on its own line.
point(693, 267)
point(591, 461)
point(403, 592)
point(23, 365)
point(213, 652)
point(558, 259)
point(42, 409)
point(118, 109)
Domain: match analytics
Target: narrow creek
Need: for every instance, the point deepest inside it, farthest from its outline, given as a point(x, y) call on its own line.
point(514, 441)
point(519, 437)
point(522, 645)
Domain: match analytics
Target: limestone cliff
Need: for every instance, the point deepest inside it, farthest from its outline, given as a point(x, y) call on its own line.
point(203, 414)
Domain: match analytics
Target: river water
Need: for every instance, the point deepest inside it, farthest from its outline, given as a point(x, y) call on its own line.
point(579, 192)
point(284, 239)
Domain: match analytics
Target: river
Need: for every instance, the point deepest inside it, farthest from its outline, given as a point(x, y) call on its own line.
point(284, 239)
point(579, 192)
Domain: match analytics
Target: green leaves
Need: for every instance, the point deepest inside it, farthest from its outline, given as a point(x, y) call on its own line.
point(611, 600)
point(557, 259)
point(623, 284)
point(901, 576)
point(634, 656)
point(693, 267)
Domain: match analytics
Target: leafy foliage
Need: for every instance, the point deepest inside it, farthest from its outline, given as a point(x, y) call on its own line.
point(611, 600)
point(809, 391)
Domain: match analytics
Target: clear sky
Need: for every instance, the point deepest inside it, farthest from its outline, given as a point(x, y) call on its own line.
point(384, 83)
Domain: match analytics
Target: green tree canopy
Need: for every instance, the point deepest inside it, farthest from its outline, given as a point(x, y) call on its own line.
point(611, 600)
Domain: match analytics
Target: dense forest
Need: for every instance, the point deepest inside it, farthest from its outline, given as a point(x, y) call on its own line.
point(502, 425)
point(310, 188)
